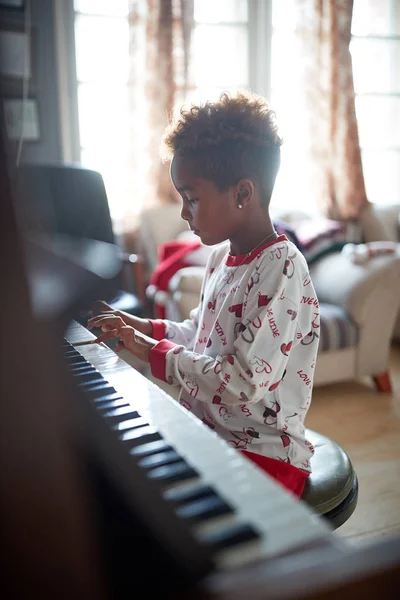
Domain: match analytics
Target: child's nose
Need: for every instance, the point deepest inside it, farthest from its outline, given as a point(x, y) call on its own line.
point(185, 213)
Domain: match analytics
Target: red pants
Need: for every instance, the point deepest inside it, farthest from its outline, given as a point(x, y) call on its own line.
point(289, 476)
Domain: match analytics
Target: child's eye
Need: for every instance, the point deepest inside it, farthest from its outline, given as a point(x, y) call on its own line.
point(192, 201)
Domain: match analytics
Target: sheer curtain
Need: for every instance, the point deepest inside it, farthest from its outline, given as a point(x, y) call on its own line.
point(323, 30)
point(160, 33)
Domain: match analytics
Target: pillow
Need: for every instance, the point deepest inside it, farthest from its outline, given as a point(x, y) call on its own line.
point(319, 236)
point(284, 228)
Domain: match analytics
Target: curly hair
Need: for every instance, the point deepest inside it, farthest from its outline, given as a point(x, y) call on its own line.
point(228, 140)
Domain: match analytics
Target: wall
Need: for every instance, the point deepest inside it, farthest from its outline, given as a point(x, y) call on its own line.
point(44, 85)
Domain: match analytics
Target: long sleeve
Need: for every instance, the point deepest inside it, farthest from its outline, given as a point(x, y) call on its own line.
point(274, 319)
point(180, 333)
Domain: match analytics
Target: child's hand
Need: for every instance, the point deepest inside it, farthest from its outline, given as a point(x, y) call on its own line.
point(107, 322)
point(135, 342)
point(102, 309)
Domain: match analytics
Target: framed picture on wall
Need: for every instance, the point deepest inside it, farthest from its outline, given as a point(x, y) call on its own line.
point(15, 54)
point(21, 119)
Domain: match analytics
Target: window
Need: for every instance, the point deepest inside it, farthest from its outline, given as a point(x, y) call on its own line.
point(220, 50)
point(375, 50)
point(291, 189)
point(242, 43)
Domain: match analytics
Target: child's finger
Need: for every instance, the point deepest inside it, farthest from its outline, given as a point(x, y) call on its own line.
point(108, 335)
point(106, 322)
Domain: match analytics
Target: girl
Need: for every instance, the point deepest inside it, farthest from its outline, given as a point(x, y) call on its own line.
point(245, 358)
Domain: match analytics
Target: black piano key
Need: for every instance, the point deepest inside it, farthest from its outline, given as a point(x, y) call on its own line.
point(120, 414)
point(230, 536)
point(103, 399)
point(204, 509)
point(77, 362)
point(140, 435)
point(99, 390)
point(181, 496)
point(106, 406)
point(71, 353)
point(151, 448)
point(159, 460)
point(81, 368)
point(95, 383)
point(86, 376)
point(175, 473)
point(131, 423)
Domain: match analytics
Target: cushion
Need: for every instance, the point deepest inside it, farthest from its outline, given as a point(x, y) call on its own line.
point(338, 330)
point(332, 476)
point(317, 236)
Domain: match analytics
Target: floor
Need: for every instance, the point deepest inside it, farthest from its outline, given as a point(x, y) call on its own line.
point(367, 425)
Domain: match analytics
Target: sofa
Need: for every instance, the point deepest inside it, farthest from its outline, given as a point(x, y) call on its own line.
point(359, 303)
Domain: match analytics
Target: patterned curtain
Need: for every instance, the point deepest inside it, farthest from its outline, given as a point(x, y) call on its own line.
point(324, 34)
point(159, 49)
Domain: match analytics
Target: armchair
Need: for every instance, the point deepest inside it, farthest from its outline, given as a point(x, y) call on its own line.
point(359, 304)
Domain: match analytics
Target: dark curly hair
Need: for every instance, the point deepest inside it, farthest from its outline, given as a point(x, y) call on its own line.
point(228, 140)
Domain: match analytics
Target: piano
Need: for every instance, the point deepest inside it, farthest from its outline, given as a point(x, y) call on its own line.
point(235, 512)
point(110, 489)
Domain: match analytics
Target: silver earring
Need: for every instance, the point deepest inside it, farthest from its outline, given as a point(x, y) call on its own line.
point(240, 205)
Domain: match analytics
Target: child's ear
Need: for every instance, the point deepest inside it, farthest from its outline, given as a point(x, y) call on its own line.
point(244, 192)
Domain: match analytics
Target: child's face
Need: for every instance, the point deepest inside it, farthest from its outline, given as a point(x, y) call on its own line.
point(212, 215)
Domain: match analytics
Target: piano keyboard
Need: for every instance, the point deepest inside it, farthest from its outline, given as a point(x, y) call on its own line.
point(231, 506)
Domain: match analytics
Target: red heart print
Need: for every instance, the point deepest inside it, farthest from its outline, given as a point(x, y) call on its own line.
point(252, 433)
point(209, 342)
point(262, 365)
point(211, 305)
point(274, 386)
point(230, 359)
point(263, 300)
point(237, 309)
point(286, 267)
point(286, 348)
point(216, 400)
point(292, 313)
point(285, 440)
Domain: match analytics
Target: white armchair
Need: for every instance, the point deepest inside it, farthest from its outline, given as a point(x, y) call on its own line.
point(359, 303)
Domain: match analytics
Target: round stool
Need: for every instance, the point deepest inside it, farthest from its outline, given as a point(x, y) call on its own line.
point(332, 488)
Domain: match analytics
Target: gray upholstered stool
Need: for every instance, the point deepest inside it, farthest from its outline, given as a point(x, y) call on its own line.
point(332, 488)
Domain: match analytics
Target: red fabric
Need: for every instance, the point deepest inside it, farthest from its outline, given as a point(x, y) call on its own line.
point(289, 476)
point(158, 358)
point(171, 258)
point(159, 329)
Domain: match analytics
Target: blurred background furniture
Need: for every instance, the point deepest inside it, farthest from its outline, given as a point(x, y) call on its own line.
point(359, 304)
point(72, 200)
point(383, 223)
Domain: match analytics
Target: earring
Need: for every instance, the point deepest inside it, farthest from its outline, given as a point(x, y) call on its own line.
point(240, 205)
